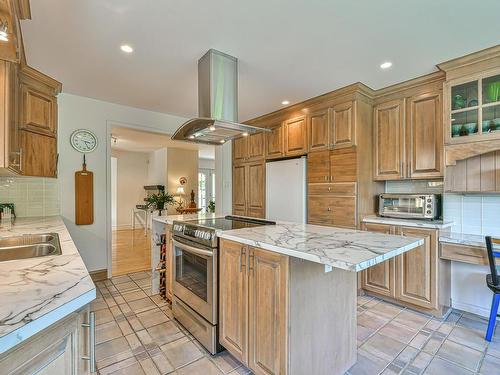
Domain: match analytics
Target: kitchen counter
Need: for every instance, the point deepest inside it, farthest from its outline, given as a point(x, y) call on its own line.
point(435, 224)
point(169, 219)
point(463, 239)
point(347, 249)
point(38, 292)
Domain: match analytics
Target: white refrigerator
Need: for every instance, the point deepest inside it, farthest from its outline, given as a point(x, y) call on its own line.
point(286, 194)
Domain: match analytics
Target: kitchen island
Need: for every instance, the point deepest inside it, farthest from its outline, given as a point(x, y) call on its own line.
point(288, 294)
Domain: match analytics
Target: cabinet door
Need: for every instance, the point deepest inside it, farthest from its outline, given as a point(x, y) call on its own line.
point(343, 210)
point(295, 136)
point(267, 311)
point(240, 149)
point(416, 270)
point(343, 126)
point(381, 277)
point(274, 142)
point(343, 165)
point(256, 146)
point(425, 136)
point(256, 194)
point(233, 298)
point(39, 111)
point(319, 209)
point(389, 140)
point(38, 154)
point(318, 166)
point(239, 189)
point(317, 130)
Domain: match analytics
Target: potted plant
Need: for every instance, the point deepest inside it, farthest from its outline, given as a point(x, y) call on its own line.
point(158, 201)
point(211, 207)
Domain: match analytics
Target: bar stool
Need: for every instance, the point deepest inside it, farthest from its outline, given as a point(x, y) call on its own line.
point(493, 282)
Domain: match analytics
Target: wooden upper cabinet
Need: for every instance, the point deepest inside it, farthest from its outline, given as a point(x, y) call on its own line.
point(256, 189)
point(39, 111)
point(381, 277)
point(343, 165)
point(318, 166)
point(267, 312)
point(38, 155)
point(255, 146)
point(343, 132)
point(233, 298)
point(274, 142)
point(389, 140)
point(416, 270)
point(240, 149)
point(295, 136)
point(425, 136)
point(318, 130)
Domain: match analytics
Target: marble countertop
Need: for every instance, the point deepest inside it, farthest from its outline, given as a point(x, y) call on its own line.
point(436, 224)
point(463, 239)
point(169, 219)
point(37, 292)
point(347, 249)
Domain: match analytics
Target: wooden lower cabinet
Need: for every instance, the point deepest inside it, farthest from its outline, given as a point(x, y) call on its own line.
point(267, 311)
point(280, 315)
point(56, 350)
point(414, 278)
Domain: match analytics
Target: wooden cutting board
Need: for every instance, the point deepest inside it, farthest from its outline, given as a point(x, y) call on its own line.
point(84, 197)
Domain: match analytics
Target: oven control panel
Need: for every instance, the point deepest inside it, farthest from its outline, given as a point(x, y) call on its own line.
point(195, 233)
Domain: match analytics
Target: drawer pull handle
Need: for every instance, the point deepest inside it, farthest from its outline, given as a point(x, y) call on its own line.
point(91, 326)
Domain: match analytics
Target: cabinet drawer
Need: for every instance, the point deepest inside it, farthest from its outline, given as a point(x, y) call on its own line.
point(466, 254)
point(347, 188)
point(332, 210)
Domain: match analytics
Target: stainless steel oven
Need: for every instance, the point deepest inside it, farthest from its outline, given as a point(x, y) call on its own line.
point(410, 206)
point(195, 277)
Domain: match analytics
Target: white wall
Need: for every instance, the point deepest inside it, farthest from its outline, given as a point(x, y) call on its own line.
point(157, 167)
point(114, 192)
point(77, 112)
point(472, 214)
point(132, 174)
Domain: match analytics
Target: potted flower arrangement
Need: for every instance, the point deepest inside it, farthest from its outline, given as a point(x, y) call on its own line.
point(158, 201)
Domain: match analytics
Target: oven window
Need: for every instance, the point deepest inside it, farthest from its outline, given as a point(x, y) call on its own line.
point(191, 272)
point(404, 205)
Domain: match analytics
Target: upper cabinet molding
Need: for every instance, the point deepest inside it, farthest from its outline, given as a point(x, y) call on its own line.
point(483, 60)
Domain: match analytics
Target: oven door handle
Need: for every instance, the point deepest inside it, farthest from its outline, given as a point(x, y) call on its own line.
point(194, 250)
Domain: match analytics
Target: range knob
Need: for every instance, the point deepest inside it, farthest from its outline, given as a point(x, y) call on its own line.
point(429, 212)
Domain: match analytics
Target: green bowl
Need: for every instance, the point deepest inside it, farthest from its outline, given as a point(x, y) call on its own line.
point(471, 127)
point(455, 130)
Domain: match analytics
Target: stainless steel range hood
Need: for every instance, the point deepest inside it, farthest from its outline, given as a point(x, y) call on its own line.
point(217, 103)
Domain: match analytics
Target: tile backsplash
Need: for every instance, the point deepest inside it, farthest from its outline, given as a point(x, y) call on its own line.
point(473, 214)
point(32, 196)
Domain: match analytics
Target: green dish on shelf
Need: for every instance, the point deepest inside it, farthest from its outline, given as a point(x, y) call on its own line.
point(455, 130)
point(491, 125)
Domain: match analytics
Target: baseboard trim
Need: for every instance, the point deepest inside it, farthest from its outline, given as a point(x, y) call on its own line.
point(99, 275)
point(473, 309)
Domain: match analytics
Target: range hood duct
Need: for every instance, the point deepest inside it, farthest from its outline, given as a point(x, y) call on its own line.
point(217, 103)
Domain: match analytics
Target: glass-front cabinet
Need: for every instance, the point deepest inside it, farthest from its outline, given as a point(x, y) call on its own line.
point(473, 108)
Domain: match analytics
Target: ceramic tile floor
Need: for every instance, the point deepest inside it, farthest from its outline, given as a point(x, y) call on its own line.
point(136, 335)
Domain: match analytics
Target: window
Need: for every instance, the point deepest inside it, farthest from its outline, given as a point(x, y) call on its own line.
point(206, 187)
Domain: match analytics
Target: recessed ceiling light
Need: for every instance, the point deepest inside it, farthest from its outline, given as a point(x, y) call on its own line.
point(386, 65)
point(222, 141)
point(191, 137)
point(211, 128)
point(126, 48)
point(285, 102)
point(244, 134)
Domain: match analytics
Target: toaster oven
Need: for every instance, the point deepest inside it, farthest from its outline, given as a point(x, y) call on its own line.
point(410, 206)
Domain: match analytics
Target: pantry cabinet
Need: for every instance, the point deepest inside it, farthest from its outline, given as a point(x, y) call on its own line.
point(249, 189)
point(253, 307)
point(274, 142)
point(318, 131)
point(416, 278)
point(248, 148)
point(343, 126)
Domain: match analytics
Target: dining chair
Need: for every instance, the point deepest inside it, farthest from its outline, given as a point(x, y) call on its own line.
point(493, 282)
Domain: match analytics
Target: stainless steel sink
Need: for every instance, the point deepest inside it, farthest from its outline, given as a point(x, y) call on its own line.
point(29, 246)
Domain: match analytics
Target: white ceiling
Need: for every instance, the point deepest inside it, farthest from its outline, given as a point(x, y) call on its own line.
point(140, 141)
point(287, 49)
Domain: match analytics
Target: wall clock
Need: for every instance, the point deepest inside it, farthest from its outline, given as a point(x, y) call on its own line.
point(83, 140)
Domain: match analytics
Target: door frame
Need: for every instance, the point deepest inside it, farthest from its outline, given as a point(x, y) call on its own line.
point(109, 226)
